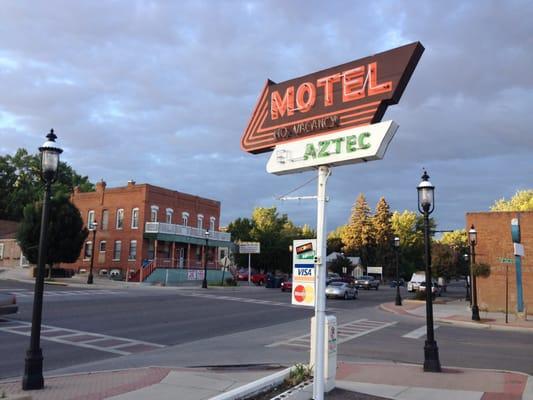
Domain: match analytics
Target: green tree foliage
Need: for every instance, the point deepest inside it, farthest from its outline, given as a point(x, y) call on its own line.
point(66, 233)
point(275, 233)
point(339, 264)
point(20, 182)
point(358, 235)
point(448, 254)
point(521, 201)
point(334, 240)
point(383, 236)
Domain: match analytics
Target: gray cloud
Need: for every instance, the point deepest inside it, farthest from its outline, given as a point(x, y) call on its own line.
point(160, 92)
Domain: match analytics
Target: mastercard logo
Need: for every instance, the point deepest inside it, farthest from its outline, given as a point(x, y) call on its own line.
point(303, 294)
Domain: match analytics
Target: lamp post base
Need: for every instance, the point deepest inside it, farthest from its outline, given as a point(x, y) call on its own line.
point(431, 357)
point(475, 313)
point(90, 279)
point(204, 284)
point(398, 300)
point(33, 371)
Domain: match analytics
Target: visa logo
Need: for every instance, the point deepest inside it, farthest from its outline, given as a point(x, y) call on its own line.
point(305, 271)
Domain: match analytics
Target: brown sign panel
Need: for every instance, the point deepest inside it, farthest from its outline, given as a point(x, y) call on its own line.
point(348, 95)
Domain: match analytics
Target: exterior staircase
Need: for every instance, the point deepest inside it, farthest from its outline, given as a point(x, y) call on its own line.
point(144, 272)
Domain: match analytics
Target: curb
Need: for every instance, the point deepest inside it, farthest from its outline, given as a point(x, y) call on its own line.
point(465, 324)
point(254, 387)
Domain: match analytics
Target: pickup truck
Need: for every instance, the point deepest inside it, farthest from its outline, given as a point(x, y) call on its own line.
point(367, 282)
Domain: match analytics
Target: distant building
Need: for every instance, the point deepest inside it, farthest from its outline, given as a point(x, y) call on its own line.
point(10, 252)
point(142, 224)
point(495, 248)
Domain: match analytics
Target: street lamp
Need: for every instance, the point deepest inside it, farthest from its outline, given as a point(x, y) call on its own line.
point(204, 282)
point(467, 284)
point(92, 228)
point(33, 366)
point(397, 251)
point(426, 205)
point(472, 238)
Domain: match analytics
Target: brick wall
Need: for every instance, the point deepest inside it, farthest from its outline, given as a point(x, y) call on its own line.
point(493, 243)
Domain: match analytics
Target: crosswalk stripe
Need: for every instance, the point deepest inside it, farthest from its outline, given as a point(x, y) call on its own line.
point(418, 333)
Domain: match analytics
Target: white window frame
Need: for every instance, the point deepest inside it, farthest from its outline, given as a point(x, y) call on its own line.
point(185, 218)
point(154, 209)
point(120, 212)
point(169, 213)
point(135, 221)
point(130, 258)
point(200, 221)
point(115, 248)
point(87, 244)
point(100, 246)
point(2, 251)
point(212, 221)
point(90, 219)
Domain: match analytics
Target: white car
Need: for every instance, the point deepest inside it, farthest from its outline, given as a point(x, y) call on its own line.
point(416, 279)
point(341, 290)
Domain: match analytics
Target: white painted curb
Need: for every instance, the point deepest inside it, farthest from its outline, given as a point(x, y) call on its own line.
point(254, 387)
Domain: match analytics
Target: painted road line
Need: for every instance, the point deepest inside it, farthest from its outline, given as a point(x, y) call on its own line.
point(84, 339)
point(345, 333)
point(418, 333)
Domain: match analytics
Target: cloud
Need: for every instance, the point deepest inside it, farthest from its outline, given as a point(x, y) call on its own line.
point(160, 92)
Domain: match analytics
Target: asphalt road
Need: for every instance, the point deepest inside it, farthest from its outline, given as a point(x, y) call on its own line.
point(121, 327)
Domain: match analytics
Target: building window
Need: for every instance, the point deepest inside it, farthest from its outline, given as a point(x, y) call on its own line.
point(200, 219)
point(24, 261)
point(135, 218)
point(90, 219)
point(153, 213)
point(120, 218)
point(105, 219)
point(1, 251)
point(133, 250)
point(88, 250)
point(212, 223)
point(117, 250)
point(169, 214)
point(102, 246)
point(185, 218)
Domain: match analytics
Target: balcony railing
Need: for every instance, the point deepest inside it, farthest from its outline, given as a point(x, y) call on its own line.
point(174, 229)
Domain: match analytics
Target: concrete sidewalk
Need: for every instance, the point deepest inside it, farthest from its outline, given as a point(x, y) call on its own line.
point(384, 380)
point(458, 312)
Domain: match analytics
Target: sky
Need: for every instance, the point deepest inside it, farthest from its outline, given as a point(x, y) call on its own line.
point(161, 91)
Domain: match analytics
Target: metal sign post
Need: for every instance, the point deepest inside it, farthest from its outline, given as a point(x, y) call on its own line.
point(320, 308)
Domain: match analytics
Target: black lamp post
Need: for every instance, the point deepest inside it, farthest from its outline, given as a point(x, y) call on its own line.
point(33, 366)
point(92, 228)
point(472, 238)
point(397, 251)
point(204, 282)
point(426, 205)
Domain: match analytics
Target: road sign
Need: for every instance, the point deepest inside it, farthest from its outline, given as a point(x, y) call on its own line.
point(505, 260)
point(303, 272)
point(249, 247)
point(348, 146)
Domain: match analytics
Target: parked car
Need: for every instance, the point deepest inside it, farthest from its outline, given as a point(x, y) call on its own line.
point(332, 276)
point(416, 279)
point(435, 288)
point(286, 286)
point(256, 278)
point(342, 290)
point(393, 284)
point(367, 282)
point(8, 303)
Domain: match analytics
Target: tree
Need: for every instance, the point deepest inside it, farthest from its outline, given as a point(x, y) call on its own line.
point(275, 233)
point(521, 201)
point(383, 236)
point(358, 236)
point(457, 243)
point(20, 182)
point(339, 264)
point(334, 241)
point(66, 233)
point(408, 227)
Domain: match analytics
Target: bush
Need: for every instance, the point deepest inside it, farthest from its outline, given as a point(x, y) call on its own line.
point(481, 270)
point(299, 374)
point(231, 281)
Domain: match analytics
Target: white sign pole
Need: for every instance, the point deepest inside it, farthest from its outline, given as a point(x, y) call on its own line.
point(320, 266)
point(249, 269)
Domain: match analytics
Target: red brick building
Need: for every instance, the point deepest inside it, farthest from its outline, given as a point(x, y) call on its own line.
point(10, 252)
point(495, 248)
point(145, 224)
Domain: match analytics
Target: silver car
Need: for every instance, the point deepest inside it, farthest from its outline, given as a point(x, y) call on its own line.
point(8, 304)
point(342, 290)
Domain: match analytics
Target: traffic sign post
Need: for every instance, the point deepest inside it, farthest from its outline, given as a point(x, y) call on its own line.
point(249, 248)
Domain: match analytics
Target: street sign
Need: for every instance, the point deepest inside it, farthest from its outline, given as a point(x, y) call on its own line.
point(347, 146)
point(249, 247)
point(505, 260)
point(303, 272)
